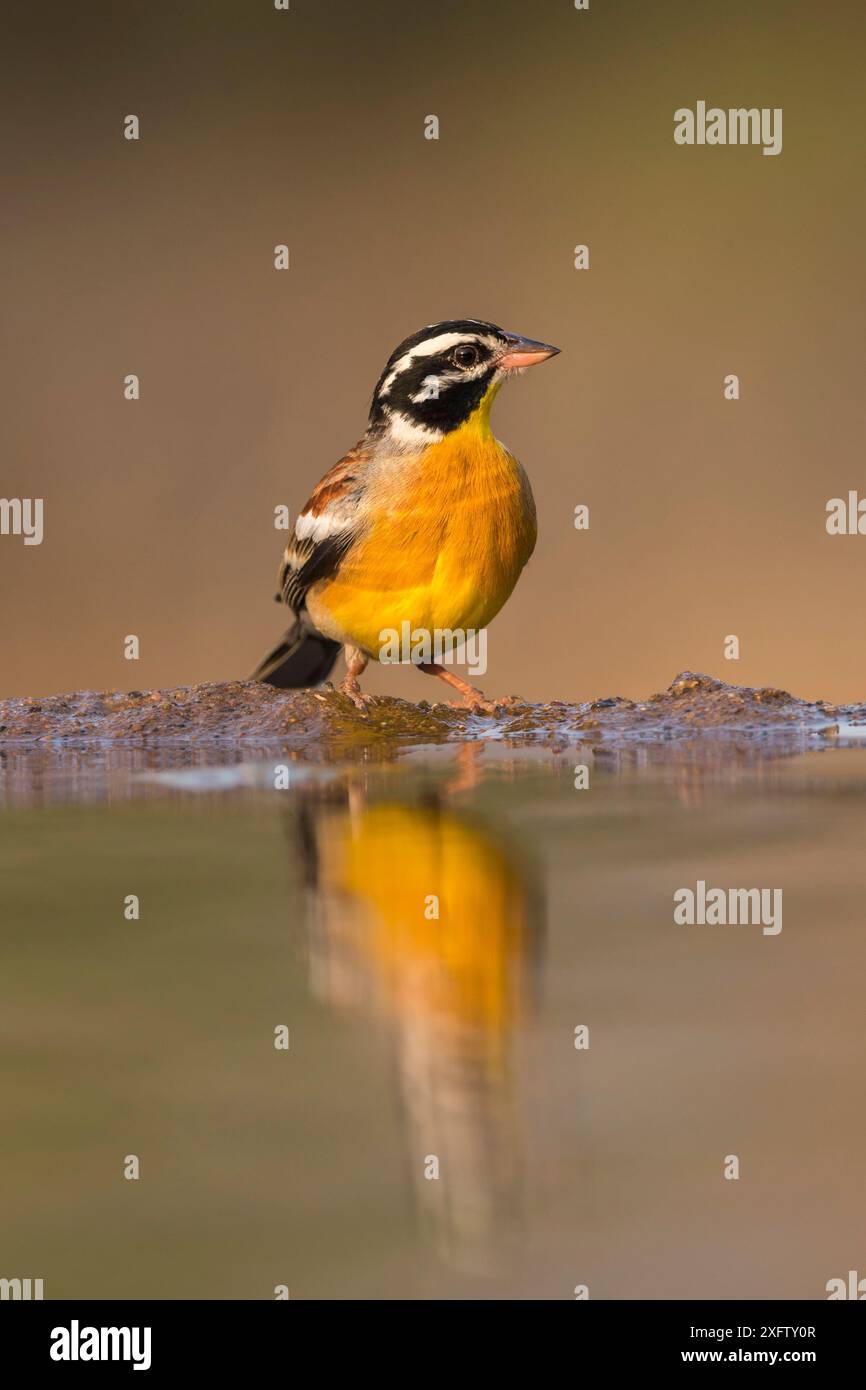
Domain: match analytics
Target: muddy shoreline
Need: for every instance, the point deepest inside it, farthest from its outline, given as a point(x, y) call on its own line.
point(238, 712)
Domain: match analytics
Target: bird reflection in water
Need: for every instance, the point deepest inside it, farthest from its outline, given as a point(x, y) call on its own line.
point(452, 987)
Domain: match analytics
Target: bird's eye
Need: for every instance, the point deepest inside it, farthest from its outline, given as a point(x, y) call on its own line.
point(465, 356)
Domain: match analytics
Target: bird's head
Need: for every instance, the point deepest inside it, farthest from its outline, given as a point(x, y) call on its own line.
point(440, 377)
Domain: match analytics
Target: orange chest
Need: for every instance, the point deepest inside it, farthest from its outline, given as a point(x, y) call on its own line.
point(464, 507)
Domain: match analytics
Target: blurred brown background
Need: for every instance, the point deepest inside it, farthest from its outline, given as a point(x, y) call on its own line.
point(306, 127)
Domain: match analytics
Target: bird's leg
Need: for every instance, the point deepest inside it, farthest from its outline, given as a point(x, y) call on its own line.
point(474, 698)
point(468, 771)
point(356, 663)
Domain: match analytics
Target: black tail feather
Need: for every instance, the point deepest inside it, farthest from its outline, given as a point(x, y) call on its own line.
point(303, 657)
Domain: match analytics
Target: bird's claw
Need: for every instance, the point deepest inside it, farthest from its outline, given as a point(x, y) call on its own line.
point(353, 691)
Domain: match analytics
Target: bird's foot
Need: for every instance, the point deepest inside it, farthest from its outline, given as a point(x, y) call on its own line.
point(473, 698)
point(350, 687)
point(477, 703)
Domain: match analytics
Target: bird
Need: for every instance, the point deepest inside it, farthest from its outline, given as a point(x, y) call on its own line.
point(427, 521)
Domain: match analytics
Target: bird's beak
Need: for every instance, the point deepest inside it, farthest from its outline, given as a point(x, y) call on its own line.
point(524, 352)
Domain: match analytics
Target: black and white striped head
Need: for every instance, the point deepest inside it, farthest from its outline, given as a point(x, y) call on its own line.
point(436, 379)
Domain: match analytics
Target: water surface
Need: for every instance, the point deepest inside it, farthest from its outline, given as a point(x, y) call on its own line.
point(419, 1040)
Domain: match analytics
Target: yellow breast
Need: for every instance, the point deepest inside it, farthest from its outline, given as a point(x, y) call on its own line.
point(451, 530)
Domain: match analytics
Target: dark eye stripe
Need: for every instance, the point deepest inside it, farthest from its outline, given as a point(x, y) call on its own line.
point(432, 366)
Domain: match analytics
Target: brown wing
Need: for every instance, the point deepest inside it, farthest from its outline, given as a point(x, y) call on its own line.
point(326, 528)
